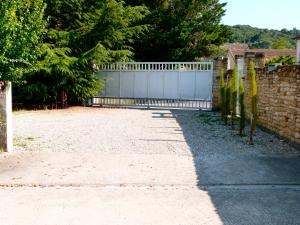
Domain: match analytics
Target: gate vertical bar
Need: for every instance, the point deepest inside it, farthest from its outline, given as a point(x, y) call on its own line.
point(195, 86)
point(148, 86)
point(120, 88)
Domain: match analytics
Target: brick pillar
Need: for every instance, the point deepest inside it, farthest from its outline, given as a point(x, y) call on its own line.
point(6, 136)
point(249, 57)
point(259, 60)
point(219, 64)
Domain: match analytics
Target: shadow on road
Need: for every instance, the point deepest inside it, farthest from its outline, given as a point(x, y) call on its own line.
point(247, 184)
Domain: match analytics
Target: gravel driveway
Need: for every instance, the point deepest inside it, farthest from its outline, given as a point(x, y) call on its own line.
point(122, 166)
point(106, 130)
point(135, 131)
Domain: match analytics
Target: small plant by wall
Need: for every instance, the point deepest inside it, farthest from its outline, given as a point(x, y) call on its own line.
point(227, 102)
point(242, 107)
point(233, 94)
point(253, 102)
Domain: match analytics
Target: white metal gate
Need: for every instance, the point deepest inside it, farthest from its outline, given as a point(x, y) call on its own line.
point(151, 85)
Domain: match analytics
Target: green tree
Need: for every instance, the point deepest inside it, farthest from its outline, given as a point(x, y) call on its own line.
point(253, 102)
point(282, 43)
point(181, 30)
point(81, 35)
point(22, 25)
point(264, 38)
point(101, 31)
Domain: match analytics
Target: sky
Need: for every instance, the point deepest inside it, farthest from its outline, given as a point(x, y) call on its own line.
point(271, 14)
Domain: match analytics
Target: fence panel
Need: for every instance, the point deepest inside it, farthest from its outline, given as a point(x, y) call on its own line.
point(167, 85)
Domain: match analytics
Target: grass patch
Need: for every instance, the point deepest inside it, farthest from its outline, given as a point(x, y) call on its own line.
point(208, 118)
point(22, 141)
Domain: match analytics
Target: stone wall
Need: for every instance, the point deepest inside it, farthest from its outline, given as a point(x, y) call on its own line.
point(279, 100)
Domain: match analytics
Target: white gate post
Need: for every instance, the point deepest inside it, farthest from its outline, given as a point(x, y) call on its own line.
point(6, 134)
point(297, 38)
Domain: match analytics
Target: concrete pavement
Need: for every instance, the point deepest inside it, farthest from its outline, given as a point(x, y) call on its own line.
point(99, 188)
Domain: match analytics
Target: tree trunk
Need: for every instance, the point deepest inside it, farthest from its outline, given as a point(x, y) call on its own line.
point(232, 120)
point(251, 130)
point(241, 130)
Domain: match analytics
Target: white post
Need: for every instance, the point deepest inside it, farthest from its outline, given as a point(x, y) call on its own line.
point(298, 50)
point(6, 134)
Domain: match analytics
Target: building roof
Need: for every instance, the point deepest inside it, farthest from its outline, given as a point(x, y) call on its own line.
point(236, 48)
point(240, 49)
point(297, 37)
point(269, 53)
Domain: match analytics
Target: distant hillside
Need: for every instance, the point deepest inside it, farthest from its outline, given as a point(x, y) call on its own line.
point(264, 38)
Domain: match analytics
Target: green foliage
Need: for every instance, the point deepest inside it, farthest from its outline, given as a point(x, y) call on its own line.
point(242, 107)
point(223, 95)
point(56, 71)
point(104, 30)
point(233, 94)
point(81, 35)
point(253, 102)
point(264, 38)
point(22, 24)
point(281, 43)
point(181, 30)
point(284, 60)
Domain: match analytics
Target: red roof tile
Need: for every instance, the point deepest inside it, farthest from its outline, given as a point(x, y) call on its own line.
point(240, 49)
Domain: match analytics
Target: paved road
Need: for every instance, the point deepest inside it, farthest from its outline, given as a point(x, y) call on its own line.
point(91, 166)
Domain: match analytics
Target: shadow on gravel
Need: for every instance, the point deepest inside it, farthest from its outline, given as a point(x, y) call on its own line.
point(257, 184)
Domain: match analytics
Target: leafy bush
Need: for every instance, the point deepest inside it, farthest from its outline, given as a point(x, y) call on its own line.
point(81, 35)
point(22, 25)
point(284, 60)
